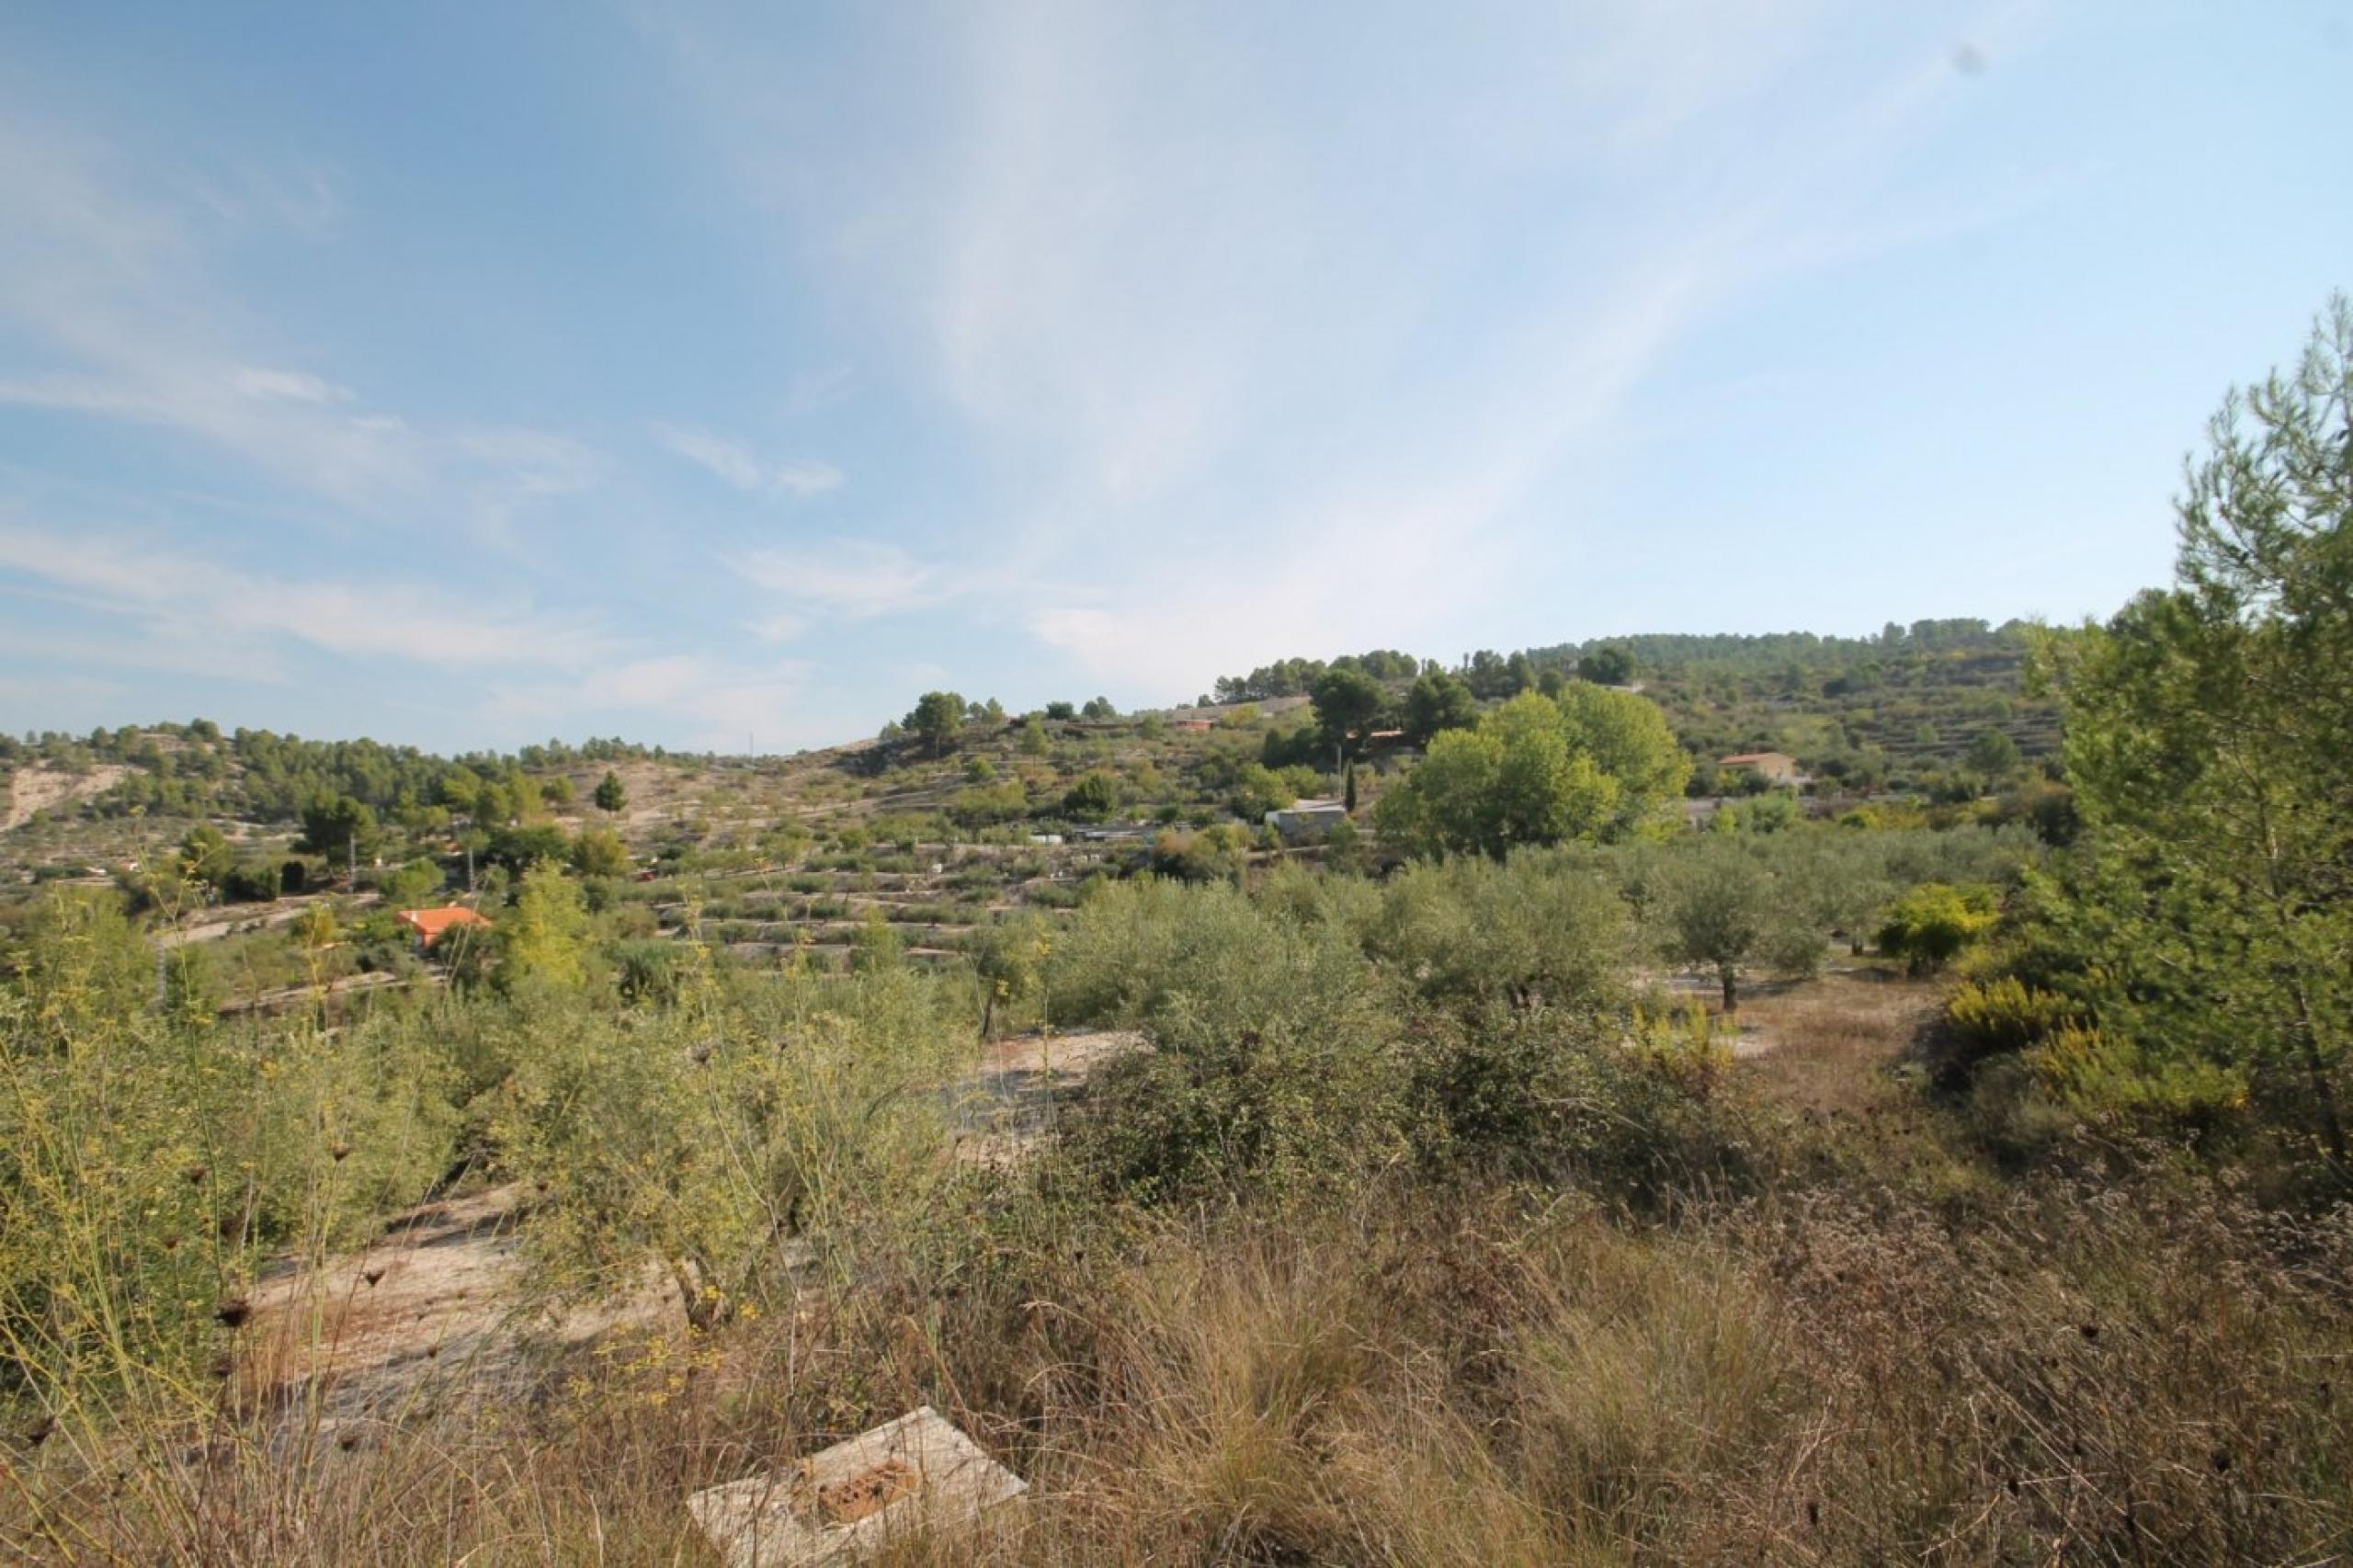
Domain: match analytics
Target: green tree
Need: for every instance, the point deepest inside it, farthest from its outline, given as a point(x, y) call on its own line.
point(1723, 908)
point(1436, 702)
point(1627, 736)
point(410, 884)
point(543, 938)
point(1093, 798)
point(1513, 780)
point(2210, 741)
point(1258, 790)
point(339, 827)
point(1993, 756)
point(205, 857)
point(611, 794)
point(1607, 665)
point(937, 720)
point(461, 790)
point(1348, 705)
point(1098, 708)
point(600, 852)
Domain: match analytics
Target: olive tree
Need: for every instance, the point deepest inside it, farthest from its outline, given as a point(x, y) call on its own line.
point(1723, 908)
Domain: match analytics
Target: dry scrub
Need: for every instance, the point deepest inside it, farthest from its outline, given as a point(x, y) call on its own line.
point(2143, 1374)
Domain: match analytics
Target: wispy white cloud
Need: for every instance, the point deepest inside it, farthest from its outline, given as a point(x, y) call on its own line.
point(741, 467)
point(304, 198)
point(112, 281)
point(841, 579)
point(185, 614)
point(781, 626)
point(295, 386)
point(1284, 374)
point(733, 703)
point(175, 598)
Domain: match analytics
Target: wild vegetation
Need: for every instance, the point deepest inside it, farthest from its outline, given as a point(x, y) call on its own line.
point(1544, 1164)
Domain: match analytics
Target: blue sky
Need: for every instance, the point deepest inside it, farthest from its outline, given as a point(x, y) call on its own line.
point(468, 375)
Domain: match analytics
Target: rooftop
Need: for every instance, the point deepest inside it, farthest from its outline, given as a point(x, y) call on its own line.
point(430, 923)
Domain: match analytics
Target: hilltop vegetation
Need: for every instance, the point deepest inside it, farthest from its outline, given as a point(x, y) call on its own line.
point(1541, 1151)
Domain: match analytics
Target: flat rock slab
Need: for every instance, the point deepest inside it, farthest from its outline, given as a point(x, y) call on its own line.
point(917, 1474)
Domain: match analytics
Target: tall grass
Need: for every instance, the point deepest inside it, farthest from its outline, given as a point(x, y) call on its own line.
point(1405, 1239)
point(1428, 1375)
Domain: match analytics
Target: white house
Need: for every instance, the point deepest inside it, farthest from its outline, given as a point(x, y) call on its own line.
point(1307, 820)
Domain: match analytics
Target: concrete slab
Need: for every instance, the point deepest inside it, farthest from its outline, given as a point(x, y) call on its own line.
point(917, 1474)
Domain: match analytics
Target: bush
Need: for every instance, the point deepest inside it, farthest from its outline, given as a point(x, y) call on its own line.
point(2001, 1017)
point(251, 884)
point(2122, 1085)
point(1929, 926)
point(722, 1139)
point(1093, 798)
point(1274, 1063)
point(1532, 933)
point(149, 1160)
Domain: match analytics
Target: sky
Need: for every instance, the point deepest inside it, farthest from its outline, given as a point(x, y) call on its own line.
point(723, 377)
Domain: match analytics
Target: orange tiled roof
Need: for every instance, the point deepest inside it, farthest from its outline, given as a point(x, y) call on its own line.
point(430, 923)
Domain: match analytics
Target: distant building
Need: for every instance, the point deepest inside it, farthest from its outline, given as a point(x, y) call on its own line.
point(432, 924)
point(1773, 766)
point(1306, 821)
point(1195, 724)
point(1113, 833)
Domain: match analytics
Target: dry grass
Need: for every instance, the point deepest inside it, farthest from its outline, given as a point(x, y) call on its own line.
point(1836, 1044)
point(1420, 1376)
point(1879, 1353)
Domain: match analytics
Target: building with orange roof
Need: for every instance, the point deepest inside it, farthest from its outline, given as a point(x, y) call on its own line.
point(431, 925)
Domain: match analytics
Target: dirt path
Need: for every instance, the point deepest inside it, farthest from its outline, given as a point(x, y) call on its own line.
point(232, 919)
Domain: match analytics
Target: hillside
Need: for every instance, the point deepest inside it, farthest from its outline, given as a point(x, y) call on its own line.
point(763, 856)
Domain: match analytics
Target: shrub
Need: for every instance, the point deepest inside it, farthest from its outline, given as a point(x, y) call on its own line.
point(1993, 1018)
point(2121, 1083)
point(149, 1160)
point(723, 1138)
point(1532, 933)
point(2004, 1015)
point(1093, 798)
point(1929, 926)
point(251, 883)
point(647, 972)
point(1274, 1063)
